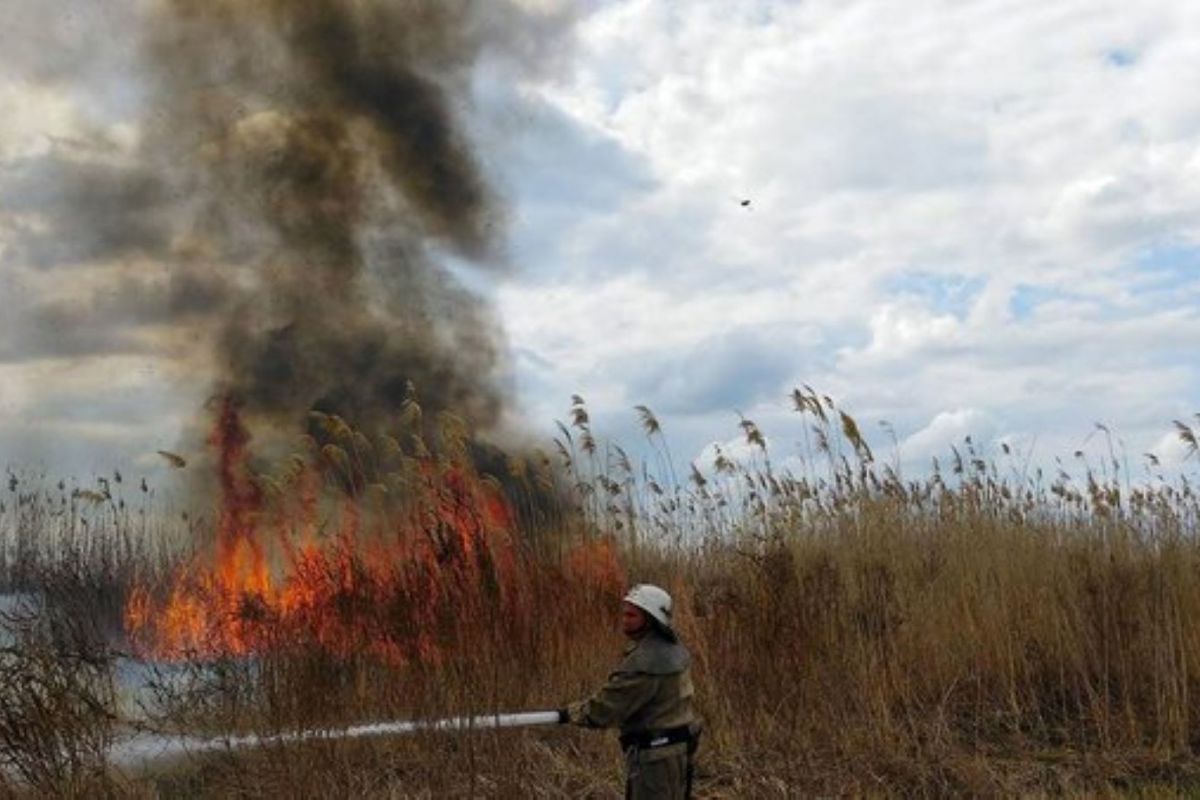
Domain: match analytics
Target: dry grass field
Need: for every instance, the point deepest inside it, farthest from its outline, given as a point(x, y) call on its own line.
point(980, 630)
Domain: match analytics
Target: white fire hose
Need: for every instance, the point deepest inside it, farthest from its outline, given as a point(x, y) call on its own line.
point(145, 748)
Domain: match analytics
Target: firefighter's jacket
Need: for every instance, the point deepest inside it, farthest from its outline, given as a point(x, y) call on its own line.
point(649, 691)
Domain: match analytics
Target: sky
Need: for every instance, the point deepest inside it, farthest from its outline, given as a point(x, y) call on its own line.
point(964, 217)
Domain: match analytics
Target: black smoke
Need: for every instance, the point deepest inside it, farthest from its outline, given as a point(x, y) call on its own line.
point(298, 176)
point(322, 149)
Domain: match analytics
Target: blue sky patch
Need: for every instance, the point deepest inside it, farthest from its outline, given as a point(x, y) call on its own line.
point(1026, 298)
point(734, 369)
point(943, 293)
point(1121, 58)
point(1171, 267)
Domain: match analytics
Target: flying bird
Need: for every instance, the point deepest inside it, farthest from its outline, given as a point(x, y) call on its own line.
point(176, 461)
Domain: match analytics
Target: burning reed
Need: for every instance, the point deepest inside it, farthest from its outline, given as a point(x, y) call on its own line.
point(354, 548)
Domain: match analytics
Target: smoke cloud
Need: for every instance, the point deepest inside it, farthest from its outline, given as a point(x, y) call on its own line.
point(324, 156)
point(300, 179)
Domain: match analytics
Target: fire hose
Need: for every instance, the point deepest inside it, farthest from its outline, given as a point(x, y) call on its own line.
point(144, 748)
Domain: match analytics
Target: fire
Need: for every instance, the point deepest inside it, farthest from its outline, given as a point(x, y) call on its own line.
point(394, 579)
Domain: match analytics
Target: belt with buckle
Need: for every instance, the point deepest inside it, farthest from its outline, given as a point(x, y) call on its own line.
point(649, 740)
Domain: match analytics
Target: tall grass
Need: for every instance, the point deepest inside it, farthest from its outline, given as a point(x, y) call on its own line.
point(69, 555)
point(104, 535)
point(981, 629)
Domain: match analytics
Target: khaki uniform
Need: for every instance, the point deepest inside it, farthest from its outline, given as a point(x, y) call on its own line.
point(649, 698)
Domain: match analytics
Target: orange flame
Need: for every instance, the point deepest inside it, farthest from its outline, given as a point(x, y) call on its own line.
point(393, 585)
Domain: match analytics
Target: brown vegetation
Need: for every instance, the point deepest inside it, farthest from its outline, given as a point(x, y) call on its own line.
point(977, 631)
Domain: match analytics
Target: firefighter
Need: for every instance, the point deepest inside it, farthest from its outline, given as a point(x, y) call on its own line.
point(649, 698)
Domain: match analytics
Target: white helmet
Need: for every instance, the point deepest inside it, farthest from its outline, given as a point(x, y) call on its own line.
point(653, 600)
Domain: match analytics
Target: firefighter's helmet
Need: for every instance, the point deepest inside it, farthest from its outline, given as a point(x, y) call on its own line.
point(654, 601)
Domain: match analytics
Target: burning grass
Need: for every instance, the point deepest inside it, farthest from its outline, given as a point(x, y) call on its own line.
point(979, 630)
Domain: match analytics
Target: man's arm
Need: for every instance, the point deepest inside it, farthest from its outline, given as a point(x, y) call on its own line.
point(615, 702)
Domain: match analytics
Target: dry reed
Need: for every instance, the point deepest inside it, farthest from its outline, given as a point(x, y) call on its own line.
point(980, 630)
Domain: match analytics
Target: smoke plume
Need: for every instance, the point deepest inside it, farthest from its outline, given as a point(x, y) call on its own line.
point(264, 196)
point(320, 151)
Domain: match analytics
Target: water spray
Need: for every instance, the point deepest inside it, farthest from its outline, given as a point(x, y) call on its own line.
point(145, 748)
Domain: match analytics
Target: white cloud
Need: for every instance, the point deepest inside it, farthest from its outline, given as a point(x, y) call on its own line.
point(44, 113)
point(1171, 451)
point(947, 429)
point(14, 390)
point(736, 449)
point(1021, 147)
point(1020, 150)
point(900, 329)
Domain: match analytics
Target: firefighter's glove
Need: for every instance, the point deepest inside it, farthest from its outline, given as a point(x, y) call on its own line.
point(575, 714)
